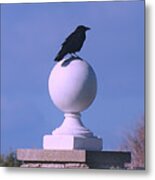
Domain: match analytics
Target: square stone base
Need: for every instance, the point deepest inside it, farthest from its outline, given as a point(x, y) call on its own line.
point(69, 142)
point(38, 158)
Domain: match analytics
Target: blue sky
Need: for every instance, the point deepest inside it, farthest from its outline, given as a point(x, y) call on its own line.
point(31, 35)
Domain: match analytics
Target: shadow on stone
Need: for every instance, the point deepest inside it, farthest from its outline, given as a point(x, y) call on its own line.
point(69, 60)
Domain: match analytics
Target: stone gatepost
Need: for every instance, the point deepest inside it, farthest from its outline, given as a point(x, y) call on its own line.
point(72, 86)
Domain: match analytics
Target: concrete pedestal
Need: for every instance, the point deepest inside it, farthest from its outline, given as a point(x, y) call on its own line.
point(38, 158)
point(72, 86)
point(71, 142)
point(72, 134)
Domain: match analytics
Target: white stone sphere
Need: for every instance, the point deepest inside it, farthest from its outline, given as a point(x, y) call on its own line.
point(72, 85)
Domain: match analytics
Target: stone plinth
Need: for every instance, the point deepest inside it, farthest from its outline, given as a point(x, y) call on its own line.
point(73, 159)
point(71, 142)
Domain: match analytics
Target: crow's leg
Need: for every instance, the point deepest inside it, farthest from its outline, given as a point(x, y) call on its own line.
point(77, 56)
point(72, 55)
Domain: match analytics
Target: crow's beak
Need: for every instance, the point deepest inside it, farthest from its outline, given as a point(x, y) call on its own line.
point(87, 28)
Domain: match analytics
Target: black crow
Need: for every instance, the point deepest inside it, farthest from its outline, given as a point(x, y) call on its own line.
point(73, 42)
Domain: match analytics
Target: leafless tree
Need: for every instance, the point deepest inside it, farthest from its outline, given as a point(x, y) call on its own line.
point(135, 143)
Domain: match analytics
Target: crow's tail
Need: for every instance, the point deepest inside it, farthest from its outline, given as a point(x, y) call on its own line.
point(60, 55)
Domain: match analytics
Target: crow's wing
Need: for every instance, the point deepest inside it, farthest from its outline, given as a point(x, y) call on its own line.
point(70, 38)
